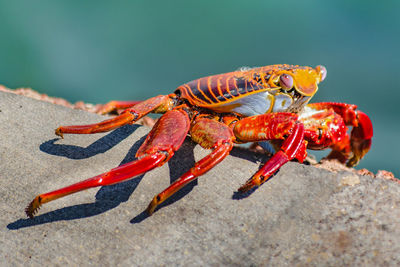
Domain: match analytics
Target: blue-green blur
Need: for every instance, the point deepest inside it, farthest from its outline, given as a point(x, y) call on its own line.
point(98, 51)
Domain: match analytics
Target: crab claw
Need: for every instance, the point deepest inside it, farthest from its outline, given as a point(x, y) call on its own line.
point(361, 136)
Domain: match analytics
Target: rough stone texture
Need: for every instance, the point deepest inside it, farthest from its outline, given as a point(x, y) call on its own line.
point(55, 100)
point(303, 216)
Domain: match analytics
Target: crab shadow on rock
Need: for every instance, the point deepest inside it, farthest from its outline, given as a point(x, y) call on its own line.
point(100, 146)
point(109, 197)
point(181, 162)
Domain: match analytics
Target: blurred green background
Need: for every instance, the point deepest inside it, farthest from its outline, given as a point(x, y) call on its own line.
point(98, 51)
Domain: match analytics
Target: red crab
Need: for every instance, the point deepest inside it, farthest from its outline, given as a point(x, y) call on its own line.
point(249, 105)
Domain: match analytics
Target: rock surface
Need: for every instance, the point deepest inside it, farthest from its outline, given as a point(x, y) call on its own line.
point(303, 216)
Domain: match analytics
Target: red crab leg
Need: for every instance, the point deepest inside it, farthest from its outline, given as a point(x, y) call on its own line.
point(116, 175)
point(164, 139)
point(209, 134)
point(115, 105)
point(160, 103)
point(362, 132)
point(272, 126)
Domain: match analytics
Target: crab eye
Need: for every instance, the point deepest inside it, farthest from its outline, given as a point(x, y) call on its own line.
point(323, 71)
point(286, 81)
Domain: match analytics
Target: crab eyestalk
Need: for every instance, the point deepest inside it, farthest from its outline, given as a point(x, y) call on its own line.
point(322, 71)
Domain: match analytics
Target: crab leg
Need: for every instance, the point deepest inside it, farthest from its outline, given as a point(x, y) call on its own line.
point(115, 105)
point(116, 175)
point(209, 134)
point(164, 139)
point(272, 126)
point(158, 104)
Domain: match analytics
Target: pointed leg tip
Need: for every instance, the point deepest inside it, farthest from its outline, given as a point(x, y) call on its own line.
point(33, 207)
point(353, 162)
point(246, 187)
point(150, 209)
point(58, 132)
point(254, 181)
point(153, 205)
